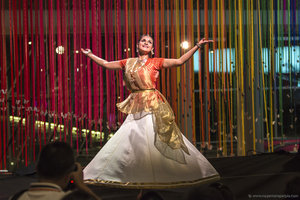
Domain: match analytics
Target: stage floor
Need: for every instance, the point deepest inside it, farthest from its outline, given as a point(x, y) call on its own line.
point(250, 177)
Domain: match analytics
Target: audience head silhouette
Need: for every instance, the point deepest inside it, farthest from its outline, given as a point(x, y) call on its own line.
point(56, 161)
point(55, 167)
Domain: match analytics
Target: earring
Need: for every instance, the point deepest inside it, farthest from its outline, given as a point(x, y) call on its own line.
point(152, 52)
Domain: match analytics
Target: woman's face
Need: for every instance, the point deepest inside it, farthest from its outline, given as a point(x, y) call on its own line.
point(145, 45)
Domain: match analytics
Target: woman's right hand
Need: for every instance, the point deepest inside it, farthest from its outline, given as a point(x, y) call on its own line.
point(86, 51)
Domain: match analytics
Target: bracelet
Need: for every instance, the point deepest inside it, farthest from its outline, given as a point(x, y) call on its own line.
point(198, 45)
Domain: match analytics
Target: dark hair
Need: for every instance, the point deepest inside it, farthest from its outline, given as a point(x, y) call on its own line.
point(151, 195)
point(148, 36)
point(78, 195)
point(55, 161)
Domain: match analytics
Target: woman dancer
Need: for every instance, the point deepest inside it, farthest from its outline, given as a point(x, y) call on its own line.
point(148, 150)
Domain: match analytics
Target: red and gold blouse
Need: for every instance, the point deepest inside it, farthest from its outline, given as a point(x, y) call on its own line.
point(141, 80)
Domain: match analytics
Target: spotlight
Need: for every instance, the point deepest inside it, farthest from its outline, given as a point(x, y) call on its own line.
point(184, 45)
point(125, 50)
point(60, 50)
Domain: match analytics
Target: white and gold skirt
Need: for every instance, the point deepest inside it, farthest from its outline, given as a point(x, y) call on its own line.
point(131, 160)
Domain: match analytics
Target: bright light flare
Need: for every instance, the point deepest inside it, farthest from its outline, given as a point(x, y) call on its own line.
point(184, 45)
point(60, 50)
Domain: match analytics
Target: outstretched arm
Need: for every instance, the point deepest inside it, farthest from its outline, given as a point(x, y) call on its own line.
point(180, 61)
point(108, 65)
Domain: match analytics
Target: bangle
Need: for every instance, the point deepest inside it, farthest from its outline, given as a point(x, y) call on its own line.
point(198, 45)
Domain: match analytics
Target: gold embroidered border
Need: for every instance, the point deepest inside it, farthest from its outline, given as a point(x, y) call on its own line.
point(156, 185)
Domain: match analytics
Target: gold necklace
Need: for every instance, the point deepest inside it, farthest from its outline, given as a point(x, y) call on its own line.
point(142, 61)
point(133, 69)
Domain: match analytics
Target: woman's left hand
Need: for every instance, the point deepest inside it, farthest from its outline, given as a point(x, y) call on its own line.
point(203, 41)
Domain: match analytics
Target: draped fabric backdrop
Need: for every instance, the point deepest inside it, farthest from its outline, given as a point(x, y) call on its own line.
point(236, 95)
